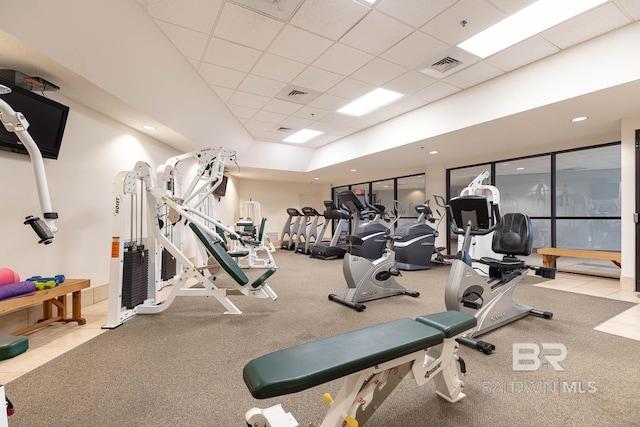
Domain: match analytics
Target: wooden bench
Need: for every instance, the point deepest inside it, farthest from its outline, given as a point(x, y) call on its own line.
point(50, 298)
point(549, 256)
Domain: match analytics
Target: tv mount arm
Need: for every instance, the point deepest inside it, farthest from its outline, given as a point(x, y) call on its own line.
point(17, 123)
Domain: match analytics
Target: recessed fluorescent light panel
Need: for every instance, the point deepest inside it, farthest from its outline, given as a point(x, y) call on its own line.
point(302, 135)
point(525, 23)
point(370, 101)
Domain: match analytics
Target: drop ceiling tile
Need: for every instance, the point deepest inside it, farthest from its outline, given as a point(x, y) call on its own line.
point(317, 79)
point(282, 107)
point(296, 122)
point(342, 59)
point(245, 27)
point(322, 127)
point(632, 7)
point(223, 93)
point(447, 26)
point(190, 43)
point(258, 125)
point(437, 91)
point(379, 72)
point(261, 86)
point(221, 76)
point(197, 15)
point(329, 18)
point(312, 113)
point(245, 99)
point(337, 119)
point(586, 26)
point(409, 82)
point(414, 50)
point(277, 68)
point(407, 103)
point(351, 88)
point(231, 55)
point(523, 53)
point(242, 112)
point(511, 6)
point(367, 35)
point(268, 116)
point(473, 75)
point(329, 102)
point(414, 12)
point(299, 45)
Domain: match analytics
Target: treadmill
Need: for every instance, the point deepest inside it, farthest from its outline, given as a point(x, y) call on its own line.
point(336, 248)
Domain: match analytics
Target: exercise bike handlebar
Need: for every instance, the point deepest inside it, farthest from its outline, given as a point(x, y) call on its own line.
point(471, 228)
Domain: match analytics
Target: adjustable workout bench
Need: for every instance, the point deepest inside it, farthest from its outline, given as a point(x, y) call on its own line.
point(372, 360)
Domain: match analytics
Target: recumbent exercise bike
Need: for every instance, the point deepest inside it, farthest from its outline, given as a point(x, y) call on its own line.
point(490, 299)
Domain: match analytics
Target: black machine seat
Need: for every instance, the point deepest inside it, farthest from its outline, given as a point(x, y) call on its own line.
point(512, 237)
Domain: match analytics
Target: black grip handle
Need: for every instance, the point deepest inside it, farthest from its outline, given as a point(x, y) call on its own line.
point(40, 228)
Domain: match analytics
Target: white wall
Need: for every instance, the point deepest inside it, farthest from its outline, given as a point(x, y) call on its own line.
point(276, 197)
point(94, 150)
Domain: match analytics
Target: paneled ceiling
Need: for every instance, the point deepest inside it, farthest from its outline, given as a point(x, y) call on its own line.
point(283, 65)
point(248, 73)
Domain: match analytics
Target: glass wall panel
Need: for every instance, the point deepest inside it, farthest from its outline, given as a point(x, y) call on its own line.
point(599, 234)
point(410, 193)
point(588, 182)
point(541, 233)
point(382, 194)
point(461, 178)
point(525, 186)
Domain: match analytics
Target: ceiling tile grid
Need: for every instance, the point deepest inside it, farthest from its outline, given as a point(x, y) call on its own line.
point(325, 53)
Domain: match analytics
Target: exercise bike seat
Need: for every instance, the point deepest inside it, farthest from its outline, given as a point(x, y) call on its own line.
point(507, 263)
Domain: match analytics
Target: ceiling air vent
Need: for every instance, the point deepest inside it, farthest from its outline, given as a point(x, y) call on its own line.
point(297, 94)
point(445, 64)
point(286, 130)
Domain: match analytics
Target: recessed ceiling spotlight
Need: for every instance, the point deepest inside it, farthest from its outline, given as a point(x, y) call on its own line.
point(316, 178)
point(579, 119)
point(354, 170)
point(520, 169)
point(148, 127)
point(433, 152)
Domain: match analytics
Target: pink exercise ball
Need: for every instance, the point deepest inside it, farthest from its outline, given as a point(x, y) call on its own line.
point(8, 276)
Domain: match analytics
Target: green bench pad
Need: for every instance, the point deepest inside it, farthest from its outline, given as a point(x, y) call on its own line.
point(450, 322)
point(298, 368)
point(11, 346)
point(217, 250)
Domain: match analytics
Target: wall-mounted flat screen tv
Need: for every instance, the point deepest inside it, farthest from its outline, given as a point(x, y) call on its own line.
point(47, 120)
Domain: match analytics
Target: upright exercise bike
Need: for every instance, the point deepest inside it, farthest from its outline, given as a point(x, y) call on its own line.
point(490, 299)
point(368, 280)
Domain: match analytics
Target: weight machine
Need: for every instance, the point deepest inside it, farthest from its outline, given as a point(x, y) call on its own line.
point(135, 279)
point(252, 226)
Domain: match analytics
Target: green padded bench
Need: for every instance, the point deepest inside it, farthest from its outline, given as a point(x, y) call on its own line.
point(307, 365)
point(217, 250)
point(373, 361)
point(11, 346)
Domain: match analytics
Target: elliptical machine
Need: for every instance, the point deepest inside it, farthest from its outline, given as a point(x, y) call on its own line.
point(372, 232)
point(369, 280)
point(490, 299)
point(415, 242)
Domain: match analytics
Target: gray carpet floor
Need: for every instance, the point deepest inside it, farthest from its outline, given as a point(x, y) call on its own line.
point(184, 367)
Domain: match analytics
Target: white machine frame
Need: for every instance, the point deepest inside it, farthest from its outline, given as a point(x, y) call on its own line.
point(17, 123)
point(129, 184)
point(481, 245)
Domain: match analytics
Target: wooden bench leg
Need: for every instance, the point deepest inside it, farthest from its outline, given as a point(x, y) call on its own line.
point(549, 260)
